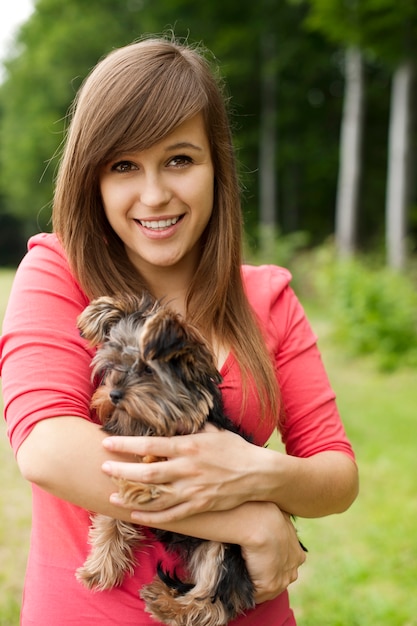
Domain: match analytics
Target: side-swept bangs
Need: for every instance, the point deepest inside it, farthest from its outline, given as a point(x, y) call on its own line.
point(136, 96)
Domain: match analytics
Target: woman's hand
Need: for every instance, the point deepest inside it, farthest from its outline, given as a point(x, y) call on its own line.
point(272, 553)
point(206, 467)
point(208, 471)
point(266, 535)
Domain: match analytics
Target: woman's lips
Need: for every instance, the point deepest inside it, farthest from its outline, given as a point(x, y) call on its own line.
point(159, 228)
point(159, 224)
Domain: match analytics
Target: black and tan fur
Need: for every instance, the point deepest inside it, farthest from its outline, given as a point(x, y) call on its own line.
point(159, 378)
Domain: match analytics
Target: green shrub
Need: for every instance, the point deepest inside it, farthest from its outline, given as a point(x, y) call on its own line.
point(373, 310)
point(269, 245)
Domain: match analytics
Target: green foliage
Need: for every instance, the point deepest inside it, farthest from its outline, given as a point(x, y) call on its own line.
point(61, 42)
point(276, 248)
point(385, 28)
point(373, 311)
point(359, 570)
point(55, 50)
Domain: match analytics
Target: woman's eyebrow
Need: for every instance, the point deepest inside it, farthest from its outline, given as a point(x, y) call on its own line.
point(180, 145)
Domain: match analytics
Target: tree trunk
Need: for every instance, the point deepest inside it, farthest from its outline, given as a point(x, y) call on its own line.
point(398, 165)
point(267, 148)
point(350, 154)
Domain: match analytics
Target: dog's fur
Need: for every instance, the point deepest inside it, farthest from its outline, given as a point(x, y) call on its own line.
point(159, 378)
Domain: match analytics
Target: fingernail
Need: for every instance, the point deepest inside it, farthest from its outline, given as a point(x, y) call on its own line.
point(108, 443)
point(106, 467)
point(115, 498)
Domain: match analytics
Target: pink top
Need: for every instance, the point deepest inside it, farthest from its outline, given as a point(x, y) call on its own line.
point(45, 368)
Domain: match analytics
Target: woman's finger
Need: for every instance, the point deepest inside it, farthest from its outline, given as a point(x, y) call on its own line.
point(160, 519)
point(155, 472)
point(141, 446)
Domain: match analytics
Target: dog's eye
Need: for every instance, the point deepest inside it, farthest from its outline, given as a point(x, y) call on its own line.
point(104, 372)
point(146, 370)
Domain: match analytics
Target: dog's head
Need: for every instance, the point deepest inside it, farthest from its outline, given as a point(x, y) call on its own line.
point(157, 374)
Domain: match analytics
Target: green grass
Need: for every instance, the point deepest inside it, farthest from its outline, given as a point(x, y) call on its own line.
point(15, 505)
point(362, 565)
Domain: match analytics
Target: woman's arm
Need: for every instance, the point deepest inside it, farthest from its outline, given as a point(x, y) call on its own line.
point(220, 470)
point(63, 456)
point(326, 483)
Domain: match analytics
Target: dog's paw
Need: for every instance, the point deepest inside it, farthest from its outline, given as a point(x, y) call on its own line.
point(99, 579)
point(134, 493)
point(161, 604)
point(169, 607)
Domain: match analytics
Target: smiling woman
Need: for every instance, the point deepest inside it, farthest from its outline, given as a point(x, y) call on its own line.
point(159, 202)
point(147, 202)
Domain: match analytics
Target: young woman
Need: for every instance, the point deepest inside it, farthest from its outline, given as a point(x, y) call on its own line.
point(147, 196)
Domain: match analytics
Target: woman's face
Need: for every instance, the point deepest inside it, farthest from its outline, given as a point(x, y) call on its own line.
point(160, 200)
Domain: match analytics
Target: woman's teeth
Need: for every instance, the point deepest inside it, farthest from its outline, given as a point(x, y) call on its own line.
point(159, 224)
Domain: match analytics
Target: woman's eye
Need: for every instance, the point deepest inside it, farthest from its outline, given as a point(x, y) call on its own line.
point(181, 160)
point(123, 166)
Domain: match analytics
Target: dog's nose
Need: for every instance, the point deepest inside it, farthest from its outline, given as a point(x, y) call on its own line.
point(116, 395)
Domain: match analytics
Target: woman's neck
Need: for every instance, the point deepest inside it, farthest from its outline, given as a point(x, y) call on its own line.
point(172, 288)
point(169, 286)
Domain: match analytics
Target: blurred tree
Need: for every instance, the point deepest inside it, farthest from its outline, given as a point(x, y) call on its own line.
point(399, 165)
point(350, 170)
point(283, 83)
point(269, 103)
point(298, 169)
point(339, 22)
point(391, 32)
point(55, 49)
point(386, 29)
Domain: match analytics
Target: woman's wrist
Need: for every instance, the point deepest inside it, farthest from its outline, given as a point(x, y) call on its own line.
point(268, 469)
point(260, 521)
point(272, 552)
point(315, 486)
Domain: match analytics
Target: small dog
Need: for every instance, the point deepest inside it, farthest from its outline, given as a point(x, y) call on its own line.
point(159, 378)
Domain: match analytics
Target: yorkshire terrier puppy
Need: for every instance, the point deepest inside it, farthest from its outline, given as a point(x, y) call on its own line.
point(158, 377)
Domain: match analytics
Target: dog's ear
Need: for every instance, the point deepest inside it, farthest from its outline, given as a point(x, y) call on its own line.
point(163, 335)
point(101, 314)
point(97, 318)
point(166, 337)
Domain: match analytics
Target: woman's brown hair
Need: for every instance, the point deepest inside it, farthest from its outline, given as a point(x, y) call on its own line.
point(134, 98)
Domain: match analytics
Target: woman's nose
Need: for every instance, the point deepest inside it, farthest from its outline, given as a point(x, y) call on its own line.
point(154, 191)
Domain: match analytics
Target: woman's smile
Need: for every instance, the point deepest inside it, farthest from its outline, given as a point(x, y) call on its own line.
point(160, 228)
point(159, 224)
point(159, 201)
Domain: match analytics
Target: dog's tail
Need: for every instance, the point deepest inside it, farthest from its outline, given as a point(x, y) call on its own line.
point(173, 581)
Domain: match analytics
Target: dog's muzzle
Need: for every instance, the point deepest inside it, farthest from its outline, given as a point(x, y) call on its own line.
point(116, 395)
